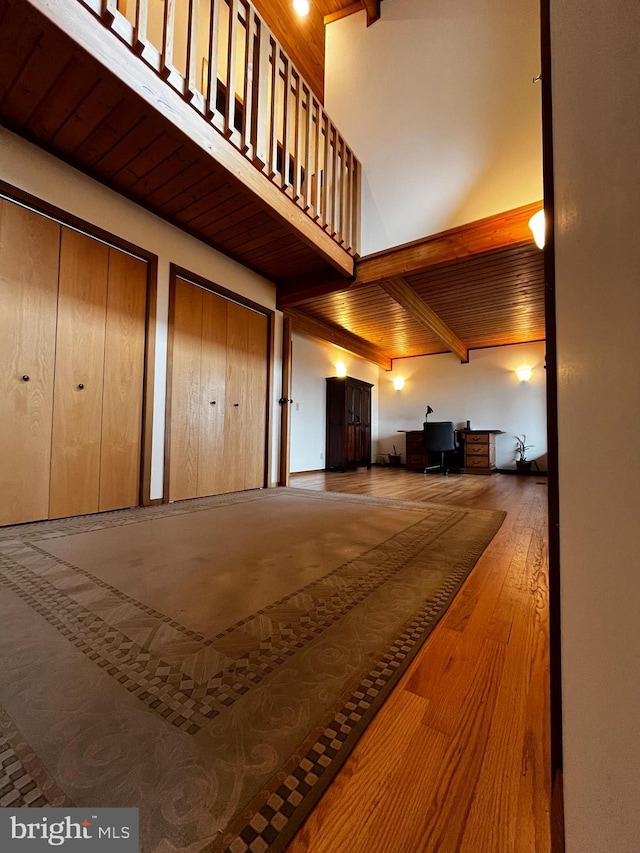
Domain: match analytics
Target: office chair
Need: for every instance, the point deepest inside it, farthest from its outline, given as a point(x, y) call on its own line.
point(438, 437)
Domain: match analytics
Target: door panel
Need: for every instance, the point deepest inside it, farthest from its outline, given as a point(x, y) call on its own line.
point(29, 255)
point(77, 408)
point(123, 381)
point(254, 407)
point(211, 470)
point(218, 394)
point(186, 392)
point(234, 444)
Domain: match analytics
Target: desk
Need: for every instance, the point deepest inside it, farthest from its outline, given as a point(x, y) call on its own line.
point(480, 450)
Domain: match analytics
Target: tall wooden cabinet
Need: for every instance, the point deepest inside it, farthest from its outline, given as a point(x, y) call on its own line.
point(218, 394)
point(72, 335)
point(348, 423)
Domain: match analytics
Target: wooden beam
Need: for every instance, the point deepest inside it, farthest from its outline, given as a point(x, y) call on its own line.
point(351, 9)
point(404, 295)
point(87, 31)
point(484, 235)
point(339, 337)
point(372, 8)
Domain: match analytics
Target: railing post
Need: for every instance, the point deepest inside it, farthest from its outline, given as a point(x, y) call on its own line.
point(140, 27)
point(307, 148)
point(261, 103)
point(109, 9)
point(192, 50)
point(211, 93)
point(286, 122)
point(251, 71)
point(166, 61)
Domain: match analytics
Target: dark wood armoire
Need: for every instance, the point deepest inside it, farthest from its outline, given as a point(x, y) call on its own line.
point(348, 423)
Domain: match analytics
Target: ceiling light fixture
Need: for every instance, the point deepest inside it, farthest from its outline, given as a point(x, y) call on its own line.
point(538, 227)
point(301, 7)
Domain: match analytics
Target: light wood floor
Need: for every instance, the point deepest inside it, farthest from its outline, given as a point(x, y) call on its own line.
point(458, 757)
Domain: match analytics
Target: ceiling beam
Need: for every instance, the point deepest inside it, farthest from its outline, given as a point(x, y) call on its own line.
point(494, 232)
point(351, 9)
point(404, 295)
point(339, 337)
point(371, 7)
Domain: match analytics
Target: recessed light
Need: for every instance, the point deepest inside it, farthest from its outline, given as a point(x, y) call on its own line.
point(301, 6)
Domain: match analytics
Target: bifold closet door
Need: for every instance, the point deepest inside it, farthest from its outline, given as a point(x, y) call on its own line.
point(246, 389)
point(121, 438)
point(77, 407)
point(218, 394)
point(97, 411)
point(186, 393)
point(29, 252)
point(212, 471)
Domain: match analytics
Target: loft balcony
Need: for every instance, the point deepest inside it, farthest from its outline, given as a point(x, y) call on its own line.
point(192, 109)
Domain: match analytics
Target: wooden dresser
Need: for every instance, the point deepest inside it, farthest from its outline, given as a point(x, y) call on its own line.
point(480, 450)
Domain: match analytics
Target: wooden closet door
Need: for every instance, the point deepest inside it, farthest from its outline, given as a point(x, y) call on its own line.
point(123, 381)
point(186, 394)
point(238, 328)
point(254, 415)
point(77, 402)
point(211, 453)
point(29, 255)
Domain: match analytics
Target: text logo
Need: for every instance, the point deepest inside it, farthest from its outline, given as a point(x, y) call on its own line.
point(75, 830)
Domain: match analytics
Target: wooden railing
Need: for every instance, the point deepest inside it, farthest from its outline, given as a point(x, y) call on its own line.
point(220, 56)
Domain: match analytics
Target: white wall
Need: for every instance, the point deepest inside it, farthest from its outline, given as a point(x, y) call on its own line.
point(485, 391)
point(313, 361)
point(25, 166)
point(596, 122)
point(437, 100)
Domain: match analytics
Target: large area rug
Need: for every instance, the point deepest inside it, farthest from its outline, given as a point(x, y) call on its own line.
point(213, 662)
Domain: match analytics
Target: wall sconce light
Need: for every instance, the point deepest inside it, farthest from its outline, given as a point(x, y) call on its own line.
point(538, 227)
point(341, 369)
point(524, 374)
point(398, 383)
point(301, 7)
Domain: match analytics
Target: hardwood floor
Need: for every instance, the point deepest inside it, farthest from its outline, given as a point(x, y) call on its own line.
point(458, 757)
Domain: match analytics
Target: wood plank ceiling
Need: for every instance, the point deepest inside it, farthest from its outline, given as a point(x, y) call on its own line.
point(56, 94)
point(477, 286)
point(481, 285)
point(303, 37)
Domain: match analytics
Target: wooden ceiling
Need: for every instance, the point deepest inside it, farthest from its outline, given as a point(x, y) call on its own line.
point(481, 285)
point(303, 37)
point(55, 93)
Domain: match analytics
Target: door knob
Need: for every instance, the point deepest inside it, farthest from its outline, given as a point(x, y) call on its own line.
point(284, 400)
point(25, 378)
point(81, 386)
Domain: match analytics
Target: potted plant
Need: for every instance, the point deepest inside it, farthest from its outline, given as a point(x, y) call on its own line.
point(394, 458)
point(522, 463)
